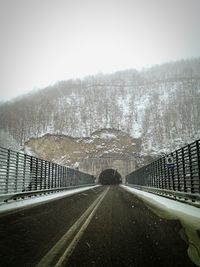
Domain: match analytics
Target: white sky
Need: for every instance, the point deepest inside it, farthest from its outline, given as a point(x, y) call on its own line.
point(43, 41)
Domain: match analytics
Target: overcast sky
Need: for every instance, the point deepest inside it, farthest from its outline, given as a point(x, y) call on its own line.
point(43, 41)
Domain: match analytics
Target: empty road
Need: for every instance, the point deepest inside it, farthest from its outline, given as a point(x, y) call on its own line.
point(104, 226)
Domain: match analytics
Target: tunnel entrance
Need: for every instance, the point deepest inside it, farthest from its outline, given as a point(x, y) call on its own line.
point(110, 176)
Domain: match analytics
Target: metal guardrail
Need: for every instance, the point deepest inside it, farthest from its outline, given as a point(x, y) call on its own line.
point(22, 195)
point(182, 176)
point(23, 173)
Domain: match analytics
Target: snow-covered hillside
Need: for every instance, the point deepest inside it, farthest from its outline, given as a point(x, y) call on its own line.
point(161, 105)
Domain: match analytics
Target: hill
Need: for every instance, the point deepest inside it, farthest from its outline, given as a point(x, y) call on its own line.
point(160, 105)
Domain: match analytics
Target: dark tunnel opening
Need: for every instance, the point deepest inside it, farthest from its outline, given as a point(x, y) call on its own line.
point(110, 176)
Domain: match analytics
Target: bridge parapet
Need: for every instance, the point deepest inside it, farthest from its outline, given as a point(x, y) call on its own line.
point(175, 175)
point(22, 174)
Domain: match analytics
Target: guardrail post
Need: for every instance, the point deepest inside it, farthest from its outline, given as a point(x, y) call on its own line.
point(45, 174)
point(7, 171)
point(168, 178)
point(16, 171)
point(41, 174)
point(49, 175)
point(161, 173)
point(24, 172)
point(172, 175)
point(55, 176)
point(31, 173)
point(59, 175)
point(62, 176)
point(177, 169)
point(198, 162)
point(153, 173)
point(190, 167)
point(148, 175)
point(184, 174)
point(36, 174)
point(165, 172)
point(156, 173)
point(65, 182)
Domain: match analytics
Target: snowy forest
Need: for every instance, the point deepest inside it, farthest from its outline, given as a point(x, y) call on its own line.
point(159, 104)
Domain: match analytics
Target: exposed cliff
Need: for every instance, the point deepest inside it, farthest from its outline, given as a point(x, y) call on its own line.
point(70, 151)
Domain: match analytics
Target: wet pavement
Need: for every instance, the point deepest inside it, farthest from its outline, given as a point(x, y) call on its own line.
point(126, 233)
point(123, 232)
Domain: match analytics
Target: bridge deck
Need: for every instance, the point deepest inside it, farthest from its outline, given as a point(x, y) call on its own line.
point(122, 232)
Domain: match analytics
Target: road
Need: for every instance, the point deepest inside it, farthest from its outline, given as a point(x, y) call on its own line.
point(104, 226)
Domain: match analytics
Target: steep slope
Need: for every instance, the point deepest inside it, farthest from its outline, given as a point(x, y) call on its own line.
point(160, 105)
point(70, 151)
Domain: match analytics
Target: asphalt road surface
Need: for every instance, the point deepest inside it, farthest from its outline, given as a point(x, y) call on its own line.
point(104, 226)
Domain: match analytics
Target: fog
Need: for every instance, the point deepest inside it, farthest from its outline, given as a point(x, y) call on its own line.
point(50, 40)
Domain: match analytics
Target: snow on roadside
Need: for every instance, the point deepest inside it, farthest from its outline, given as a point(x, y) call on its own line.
point(176, 208)
point(189, 217)
point(11, 206)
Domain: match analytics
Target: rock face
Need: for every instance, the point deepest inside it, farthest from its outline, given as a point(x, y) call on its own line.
point(70, 151)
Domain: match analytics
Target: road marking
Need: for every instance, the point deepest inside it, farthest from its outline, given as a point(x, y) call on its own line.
point(71, 238)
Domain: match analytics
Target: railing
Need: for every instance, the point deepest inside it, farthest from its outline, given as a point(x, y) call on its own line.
point(21, 173)
point(181, 178)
